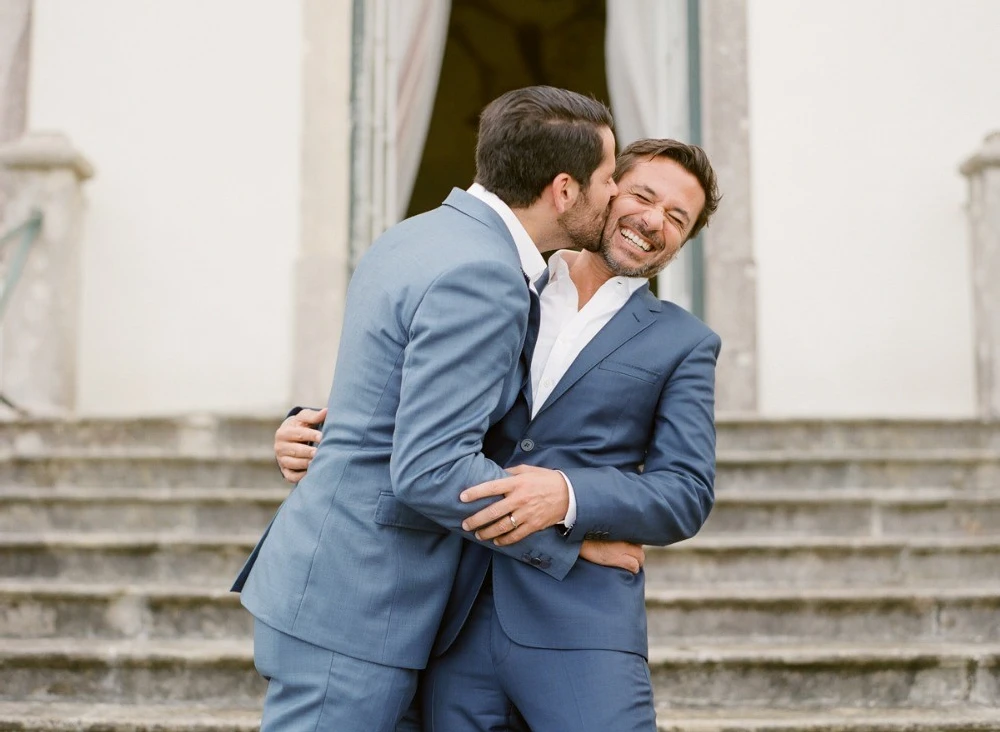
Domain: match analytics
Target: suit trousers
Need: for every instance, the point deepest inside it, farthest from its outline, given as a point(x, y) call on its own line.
point(313, 689)
point(476, 685)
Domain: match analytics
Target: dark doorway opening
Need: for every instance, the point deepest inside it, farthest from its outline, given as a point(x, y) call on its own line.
point(494, 46)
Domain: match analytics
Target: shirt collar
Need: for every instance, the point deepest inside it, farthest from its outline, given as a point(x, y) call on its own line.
point(531, 260)
point(558, 268)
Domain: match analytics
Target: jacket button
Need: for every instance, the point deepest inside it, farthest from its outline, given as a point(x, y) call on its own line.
point(527, 445)
point(536, 562)
point(526, 558)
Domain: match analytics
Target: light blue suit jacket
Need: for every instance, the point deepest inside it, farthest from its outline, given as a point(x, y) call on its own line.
point(361, 556)
point(641, 394)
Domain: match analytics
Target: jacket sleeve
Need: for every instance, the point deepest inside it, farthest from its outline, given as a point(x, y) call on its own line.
point(464, 339)
point(671, 499)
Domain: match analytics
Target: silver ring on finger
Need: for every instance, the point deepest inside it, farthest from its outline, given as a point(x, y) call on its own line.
point(513, 521)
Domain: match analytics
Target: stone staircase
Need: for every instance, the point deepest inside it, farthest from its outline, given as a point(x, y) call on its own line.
point(848, 579)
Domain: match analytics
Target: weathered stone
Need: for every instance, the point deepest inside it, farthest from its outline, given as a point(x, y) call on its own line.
point(771, 614)
point(130, 672)
point(35, 610)
point(40, 326)
point(817, 677)
point(165, 511)
point(983, 172)
point(823, 562)
point(730, 269)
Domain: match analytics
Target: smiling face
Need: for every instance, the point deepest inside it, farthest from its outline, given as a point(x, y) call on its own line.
point(584, 222)
point(657, 205)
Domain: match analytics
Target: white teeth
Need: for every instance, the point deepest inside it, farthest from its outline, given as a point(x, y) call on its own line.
point(635, 240)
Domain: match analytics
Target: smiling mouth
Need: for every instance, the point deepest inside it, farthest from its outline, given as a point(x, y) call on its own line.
point(635, 240)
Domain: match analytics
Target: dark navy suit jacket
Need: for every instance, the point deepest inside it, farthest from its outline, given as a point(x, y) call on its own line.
point(632, 426)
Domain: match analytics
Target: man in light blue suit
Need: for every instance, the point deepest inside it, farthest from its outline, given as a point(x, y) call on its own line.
point(621, 398)
point(350, 581)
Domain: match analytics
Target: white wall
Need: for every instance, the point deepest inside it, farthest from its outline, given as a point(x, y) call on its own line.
point(861, 112)
point(190, 112)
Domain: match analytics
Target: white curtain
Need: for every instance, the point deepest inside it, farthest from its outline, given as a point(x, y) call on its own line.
point(396, 80)
point(647, 67)
point(421, 31)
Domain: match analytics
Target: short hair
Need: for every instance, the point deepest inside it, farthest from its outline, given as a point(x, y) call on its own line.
point(690, 157)
point(529, 136)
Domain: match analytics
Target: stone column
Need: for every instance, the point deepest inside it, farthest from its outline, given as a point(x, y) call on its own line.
point(15, 37)
point(730, 268)
point(38, 366)
point(983, 172)
point(323, 266)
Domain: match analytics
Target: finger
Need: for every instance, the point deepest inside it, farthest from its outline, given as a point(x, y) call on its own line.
point(290, 463)
point(521, 469)
point(485, 490)
point(296, 450)
point(303, 434)
point(512, 537)
point(310, 416)
point(490, 514)
point(293, 476)
point(497, 528)
point(631, 564)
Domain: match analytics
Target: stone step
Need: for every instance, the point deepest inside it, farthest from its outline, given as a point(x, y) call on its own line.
point(142, 468)
point(781, 561)
point(122, 557)
point(204, 434)
point(221, 673)
point(970, 719)
point(45, 609)
point(827, 675)
point(20, 716)
point(165, 510)
point(721, 614)
point(735, 432)
point(962, 468)
point(773, 561)
point(186, 466)
point(850, 512)
point(82, 717)
point(212, 672)
point(738, 432)
point(856, 512)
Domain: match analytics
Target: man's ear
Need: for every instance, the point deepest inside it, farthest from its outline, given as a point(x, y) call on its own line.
point(565, 191)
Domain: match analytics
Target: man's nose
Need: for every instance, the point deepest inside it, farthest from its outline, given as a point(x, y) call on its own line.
point(614, 189)
point(652, 217)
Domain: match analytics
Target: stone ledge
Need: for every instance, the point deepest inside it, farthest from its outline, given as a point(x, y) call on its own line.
point(968, 719)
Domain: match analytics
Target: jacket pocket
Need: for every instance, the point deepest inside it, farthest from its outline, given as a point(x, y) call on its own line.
point(628, 369)
point(390, 512)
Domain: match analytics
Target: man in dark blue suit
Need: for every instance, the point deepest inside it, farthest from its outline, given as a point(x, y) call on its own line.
point(621, 401)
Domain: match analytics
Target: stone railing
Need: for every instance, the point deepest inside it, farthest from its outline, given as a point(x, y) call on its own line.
point(38, 365)
point(983, 171)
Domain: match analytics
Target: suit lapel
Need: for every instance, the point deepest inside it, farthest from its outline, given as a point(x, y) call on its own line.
point(635, 316)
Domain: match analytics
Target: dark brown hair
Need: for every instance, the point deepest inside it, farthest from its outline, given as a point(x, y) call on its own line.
point(529, 136)
point(690, 157)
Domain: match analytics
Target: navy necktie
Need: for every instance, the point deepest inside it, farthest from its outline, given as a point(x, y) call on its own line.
point(534, 319)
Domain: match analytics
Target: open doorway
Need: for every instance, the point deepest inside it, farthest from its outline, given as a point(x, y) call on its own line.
point(494, 46)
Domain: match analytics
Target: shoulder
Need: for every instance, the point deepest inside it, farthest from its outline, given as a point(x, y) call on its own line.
point(686, 327)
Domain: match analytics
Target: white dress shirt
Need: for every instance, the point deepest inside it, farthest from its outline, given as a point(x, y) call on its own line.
point(531, 261)
point(565, 328)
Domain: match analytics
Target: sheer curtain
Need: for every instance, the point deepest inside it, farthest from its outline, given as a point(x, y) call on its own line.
point(395, 83)
point(647, 67)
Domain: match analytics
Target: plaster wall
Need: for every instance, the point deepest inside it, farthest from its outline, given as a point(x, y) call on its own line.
point(860, 113)
point(190, 112)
